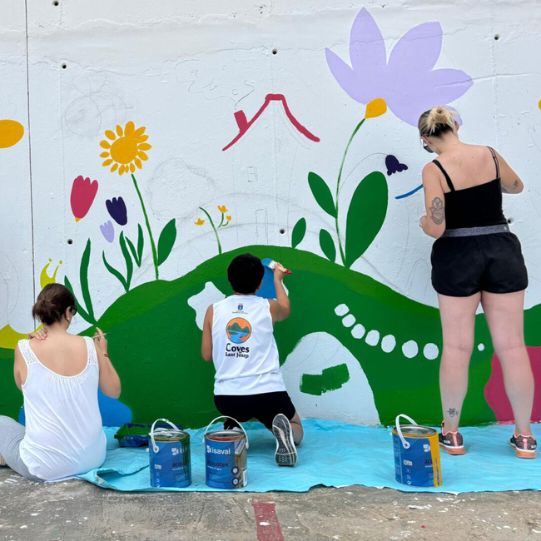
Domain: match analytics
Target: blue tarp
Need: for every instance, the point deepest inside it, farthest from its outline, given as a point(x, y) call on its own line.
point(337, 454)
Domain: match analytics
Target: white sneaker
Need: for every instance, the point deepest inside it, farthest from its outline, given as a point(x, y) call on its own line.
point(286, 452)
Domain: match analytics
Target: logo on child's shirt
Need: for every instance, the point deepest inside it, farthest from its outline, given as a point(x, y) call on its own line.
point(238, 330)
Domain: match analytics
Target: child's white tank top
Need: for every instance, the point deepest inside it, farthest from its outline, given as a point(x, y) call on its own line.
point(64, 434)
point(243, 347)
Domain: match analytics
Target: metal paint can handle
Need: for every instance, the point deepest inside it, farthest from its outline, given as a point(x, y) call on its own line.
point(155, 448)
point(405, 443)
point(225, 417)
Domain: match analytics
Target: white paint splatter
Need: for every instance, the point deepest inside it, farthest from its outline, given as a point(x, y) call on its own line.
point(358, 331)
point(388, 343)
point(410, 349)
point(341, 310)
point(348, 321)
point(431, 351)
point(372, 338)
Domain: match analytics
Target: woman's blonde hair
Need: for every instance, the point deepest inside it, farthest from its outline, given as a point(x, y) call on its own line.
point(436, 121)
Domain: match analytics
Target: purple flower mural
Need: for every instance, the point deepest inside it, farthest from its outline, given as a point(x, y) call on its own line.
point(117, 210)
point(407, 82)
point(108, 231)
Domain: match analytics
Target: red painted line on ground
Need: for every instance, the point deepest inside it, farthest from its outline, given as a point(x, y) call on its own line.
point(267, 524)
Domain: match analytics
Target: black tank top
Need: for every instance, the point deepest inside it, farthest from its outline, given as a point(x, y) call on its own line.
point(475, 206)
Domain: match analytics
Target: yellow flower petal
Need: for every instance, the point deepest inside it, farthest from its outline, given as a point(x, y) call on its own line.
point(142, 138)
point(105, 144)
point(228, 218)
point(144, 146)
point(132, 168)
point(138, 163)
point(129, 129)
point(199, 221)
point(122, 169)
point(142, 155)
point(140, 131)
point(11, 132)
point(104, 155)
point(110, 134)
point(376, 107)
point(119, 130)
point(114, 168)
point(107, 162)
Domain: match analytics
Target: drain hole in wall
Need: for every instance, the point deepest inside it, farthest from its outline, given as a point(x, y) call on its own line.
point(56, 3)
point(282, 231)
point(496, 37)
point(70, 241)
point(64, 66)
point(509, 220)
point(275, 51)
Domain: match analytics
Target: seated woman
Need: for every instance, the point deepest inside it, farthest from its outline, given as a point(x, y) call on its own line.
point(59, 379)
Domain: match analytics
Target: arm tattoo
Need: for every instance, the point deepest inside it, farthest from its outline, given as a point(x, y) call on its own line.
point(437, 211)
point(453, 412)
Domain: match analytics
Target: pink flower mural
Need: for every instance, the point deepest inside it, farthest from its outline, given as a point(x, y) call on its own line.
point(83, 193)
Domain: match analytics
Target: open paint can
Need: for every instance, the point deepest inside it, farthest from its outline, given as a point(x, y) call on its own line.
point(226, 453)
point(416, 454)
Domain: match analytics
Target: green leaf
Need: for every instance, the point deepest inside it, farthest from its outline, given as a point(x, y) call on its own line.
point(299, 230)
point(327, 245)
point(127, 258)
point(133, 251)
point(140, 244)
point(166, 241)
point(366, 214)
point(80, 310)
point(115, 272)
point(322, 193)
point(85, 290)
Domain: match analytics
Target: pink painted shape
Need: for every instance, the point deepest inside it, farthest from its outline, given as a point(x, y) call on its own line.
point(495, 391)
point(83, 193)
point(244, 125)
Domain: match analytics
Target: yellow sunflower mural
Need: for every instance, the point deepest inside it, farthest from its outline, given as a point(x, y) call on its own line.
point(125, 149)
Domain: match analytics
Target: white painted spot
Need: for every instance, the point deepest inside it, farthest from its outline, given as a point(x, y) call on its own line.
point(200, 302)
point(341, 310)
point(388, 343)
point(358, 331)
point(372, 338)
point(431, 351)
point(481, 347)
point(349, 320)
point(353, 402)
point(410, 349)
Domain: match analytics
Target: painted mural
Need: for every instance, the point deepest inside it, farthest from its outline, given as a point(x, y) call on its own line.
point(354, 348)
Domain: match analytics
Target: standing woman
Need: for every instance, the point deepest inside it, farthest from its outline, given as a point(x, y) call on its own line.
point(59, 378)
point(475, 259)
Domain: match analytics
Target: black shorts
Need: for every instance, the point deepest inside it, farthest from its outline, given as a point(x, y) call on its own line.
point(462, 266)
point(263, 407)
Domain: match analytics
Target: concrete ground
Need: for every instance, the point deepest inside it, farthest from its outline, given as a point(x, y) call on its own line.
point(79, 511)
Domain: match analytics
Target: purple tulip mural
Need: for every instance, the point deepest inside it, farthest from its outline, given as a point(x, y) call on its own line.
point(393, 165)
point(108, 231)
point(117, 210)
point(407, 82)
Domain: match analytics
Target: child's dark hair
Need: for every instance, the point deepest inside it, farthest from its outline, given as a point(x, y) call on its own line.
point(52, 303)
point(245, 273)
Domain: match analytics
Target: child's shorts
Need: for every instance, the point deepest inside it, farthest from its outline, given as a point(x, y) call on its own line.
point(263, 407)
point(462, 266)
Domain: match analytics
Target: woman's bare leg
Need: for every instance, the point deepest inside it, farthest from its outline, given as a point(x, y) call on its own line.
point(458, 325)
point(504, 313)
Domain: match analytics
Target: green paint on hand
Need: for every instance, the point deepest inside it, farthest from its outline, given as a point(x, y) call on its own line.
point(331, 379)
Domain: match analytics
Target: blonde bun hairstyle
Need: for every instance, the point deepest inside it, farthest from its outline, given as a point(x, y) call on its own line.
point(436, 121)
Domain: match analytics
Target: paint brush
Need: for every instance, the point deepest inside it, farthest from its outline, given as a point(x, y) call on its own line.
point(272, 266)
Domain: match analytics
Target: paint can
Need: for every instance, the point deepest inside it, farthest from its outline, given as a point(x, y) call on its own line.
point(416, 454)
point(169, 456)
point(226, 453)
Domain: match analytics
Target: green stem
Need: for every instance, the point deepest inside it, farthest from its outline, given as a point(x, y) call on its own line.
point(152, 243)
point(340, 247)
point(215, 230)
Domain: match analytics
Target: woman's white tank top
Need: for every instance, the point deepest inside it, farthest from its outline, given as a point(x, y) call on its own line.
point(64, 435)
point(244, 350)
